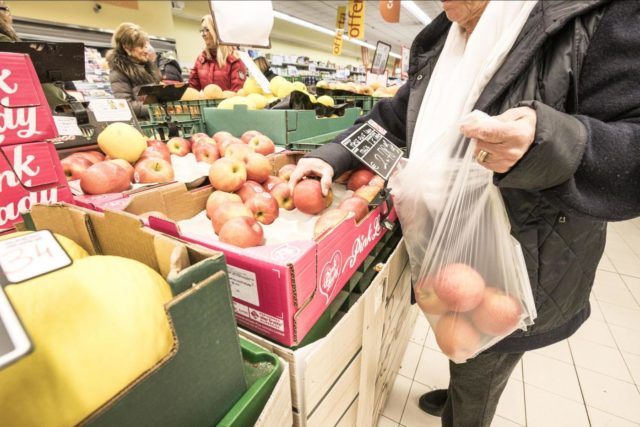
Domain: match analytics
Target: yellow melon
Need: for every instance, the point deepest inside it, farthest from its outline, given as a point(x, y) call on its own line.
point(122, 141)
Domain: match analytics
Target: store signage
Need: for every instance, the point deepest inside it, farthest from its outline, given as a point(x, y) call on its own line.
point(111, 110)
point(369, 144)
point(390, 10)
point(356, 19)
point(337, 42)
point(243, 23)
point(341, 18)
point(380, 58)
point(404, 65)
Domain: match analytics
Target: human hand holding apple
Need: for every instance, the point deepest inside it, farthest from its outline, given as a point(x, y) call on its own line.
point(314, 167)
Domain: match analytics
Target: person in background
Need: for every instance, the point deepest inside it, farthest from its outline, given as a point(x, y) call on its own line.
point(262, 63)
point(7, 34)
point(216, 64)
point(560, 79)
point(167, 64)
point(130, 65)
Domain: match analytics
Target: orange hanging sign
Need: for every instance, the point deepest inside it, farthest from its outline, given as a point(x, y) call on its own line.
point(341, 17)
point(356, 19)
point(390, 10)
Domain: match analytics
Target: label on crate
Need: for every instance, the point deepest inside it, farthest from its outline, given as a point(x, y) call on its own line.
point(244, 285)
point(259, 317)
point(67, 125)
point(110, 110)
point(369, 144)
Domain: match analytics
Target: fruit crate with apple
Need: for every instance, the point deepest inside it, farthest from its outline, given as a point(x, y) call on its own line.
point(165, 131)
point(292, 129)
point(180, 111)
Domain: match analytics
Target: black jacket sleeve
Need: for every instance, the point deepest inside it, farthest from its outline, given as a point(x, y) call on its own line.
point(588, 164)
point(390, 113)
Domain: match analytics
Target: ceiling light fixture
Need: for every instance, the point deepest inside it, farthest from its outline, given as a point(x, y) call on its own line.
point(415, 10)
point(324, 30)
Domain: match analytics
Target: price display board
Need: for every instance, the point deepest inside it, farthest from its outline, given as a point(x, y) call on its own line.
point(369, 144)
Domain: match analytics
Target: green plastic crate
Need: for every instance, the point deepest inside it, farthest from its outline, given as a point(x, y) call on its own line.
point(180, 111)
point(262, 370)
point(292, 129)
point(160, 131)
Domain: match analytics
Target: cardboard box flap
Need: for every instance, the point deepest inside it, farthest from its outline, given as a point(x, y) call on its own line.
point(26, 82)
point(72, 223)
point(32, 164)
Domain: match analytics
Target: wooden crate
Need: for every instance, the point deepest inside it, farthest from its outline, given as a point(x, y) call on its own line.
point(277, 411)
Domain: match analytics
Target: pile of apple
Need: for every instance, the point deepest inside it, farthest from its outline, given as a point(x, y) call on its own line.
point(467, 312)
point(129, 158)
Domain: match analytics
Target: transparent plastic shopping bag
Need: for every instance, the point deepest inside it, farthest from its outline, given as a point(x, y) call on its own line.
point(468, 272)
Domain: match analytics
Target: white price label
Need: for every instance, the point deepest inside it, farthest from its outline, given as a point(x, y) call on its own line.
point(110, 110)
point(244, 285)
point(67, 125)
point(25, 257)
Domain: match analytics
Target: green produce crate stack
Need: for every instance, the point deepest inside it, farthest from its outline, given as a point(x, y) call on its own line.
point(298, 130)
point(180, 111)
point(160, 131)
point(364, 102)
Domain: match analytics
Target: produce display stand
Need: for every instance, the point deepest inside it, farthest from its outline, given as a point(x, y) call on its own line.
point(297, 130)
point(180, 111)
point(164, 131)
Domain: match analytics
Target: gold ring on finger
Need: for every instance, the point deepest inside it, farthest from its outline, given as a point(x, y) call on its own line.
point(482, 156)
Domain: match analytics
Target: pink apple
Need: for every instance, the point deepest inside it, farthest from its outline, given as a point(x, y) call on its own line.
point(357, 205)
point(198, 136)
point(262, 144)
point(206, 152)
point(74, 166)
point(93, 156)
point(104, 177)
point(308, 198)
point(249, 189)
point(367, 192)
point(179, 146)
point(157, 152)
point(246, 137)
point(217, 198)
point(498, 314)
point(226, 211)
point(359, 178)
point(258, 167)
point(456, 337)
point(427, 299)
point(221, 136)
point(459, 286)
point(151, 170)
point(328, 220)
point(264, 207)
point(285, 171)
point(271, 182)
point(238, 151)
point(242, 232)
point(126, 165)
point(377, 181)
point(282, 194)
point(227, 174)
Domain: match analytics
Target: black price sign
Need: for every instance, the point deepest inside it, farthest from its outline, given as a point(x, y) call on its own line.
point(372, 148)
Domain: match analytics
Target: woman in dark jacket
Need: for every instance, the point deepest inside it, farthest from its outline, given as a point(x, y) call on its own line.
point(130, 66)
point(565, 152)
point(216, 64)
point(7, 34)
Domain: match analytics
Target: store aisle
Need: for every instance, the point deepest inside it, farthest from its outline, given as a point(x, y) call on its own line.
point(591, 379)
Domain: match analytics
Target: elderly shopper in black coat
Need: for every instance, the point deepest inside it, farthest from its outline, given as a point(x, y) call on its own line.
point(565, 155)
point(130, 66)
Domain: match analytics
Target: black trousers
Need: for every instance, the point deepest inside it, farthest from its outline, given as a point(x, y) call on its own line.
point(475, 388)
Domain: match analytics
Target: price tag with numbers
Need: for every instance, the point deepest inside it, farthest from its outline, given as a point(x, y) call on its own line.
point(31, 255)
point(369, 144)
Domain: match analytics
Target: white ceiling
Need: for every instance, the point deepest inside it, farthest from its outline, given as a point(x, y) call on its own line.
point(397, 34)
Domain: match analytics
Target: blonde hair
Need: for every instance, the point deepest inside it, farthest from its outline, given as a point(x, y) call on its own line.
point(262, 63)
point(127, 36)
point(222, 52)
point(5, 26)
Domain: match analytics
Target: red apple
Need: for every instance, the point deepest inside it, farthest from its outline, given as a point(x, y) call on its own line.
point(242, 232)
point(227, 174)
point(198, 136)
point(246, 137)
point(328, 220)
point(157, 152)
point(206, 152)
point(151, 170)
point(238, 151)
point(222, 146)
point(104, 177)
point(271, 182)
point(498, 314)
point(367, 192)
point(308, 198)
point(226, 211)
point(264, 207)
point(93, 156)
point(217, 198)
point(179, 146)
point(126, 165)
point(456, 337)
point(285, 171)
point(377, 181)
point(249, 189)
point(158, 144)
point(427, 299)
point(359, 178)
point(221, 136)
point(258, 167)
point(282, 194)
point(459, 286)
point(357, 205)
point(262, 144)
point(74, 166)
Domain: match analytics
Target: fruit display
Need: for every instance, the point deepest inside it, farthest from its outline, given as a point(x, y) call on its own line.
point(374, 89)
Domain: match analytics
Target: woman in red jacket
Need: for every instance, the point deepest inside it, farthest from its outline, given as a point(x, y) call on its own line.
point(216, 64)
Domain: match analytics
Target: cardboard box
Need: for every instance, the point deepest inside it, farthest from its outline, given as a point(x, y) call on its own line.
point(29, 174)
point(24, 113)
point(202, 377)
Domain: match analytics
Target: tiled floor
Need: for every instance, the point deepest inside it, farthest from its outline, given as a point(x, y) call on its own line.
point(591, 379)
